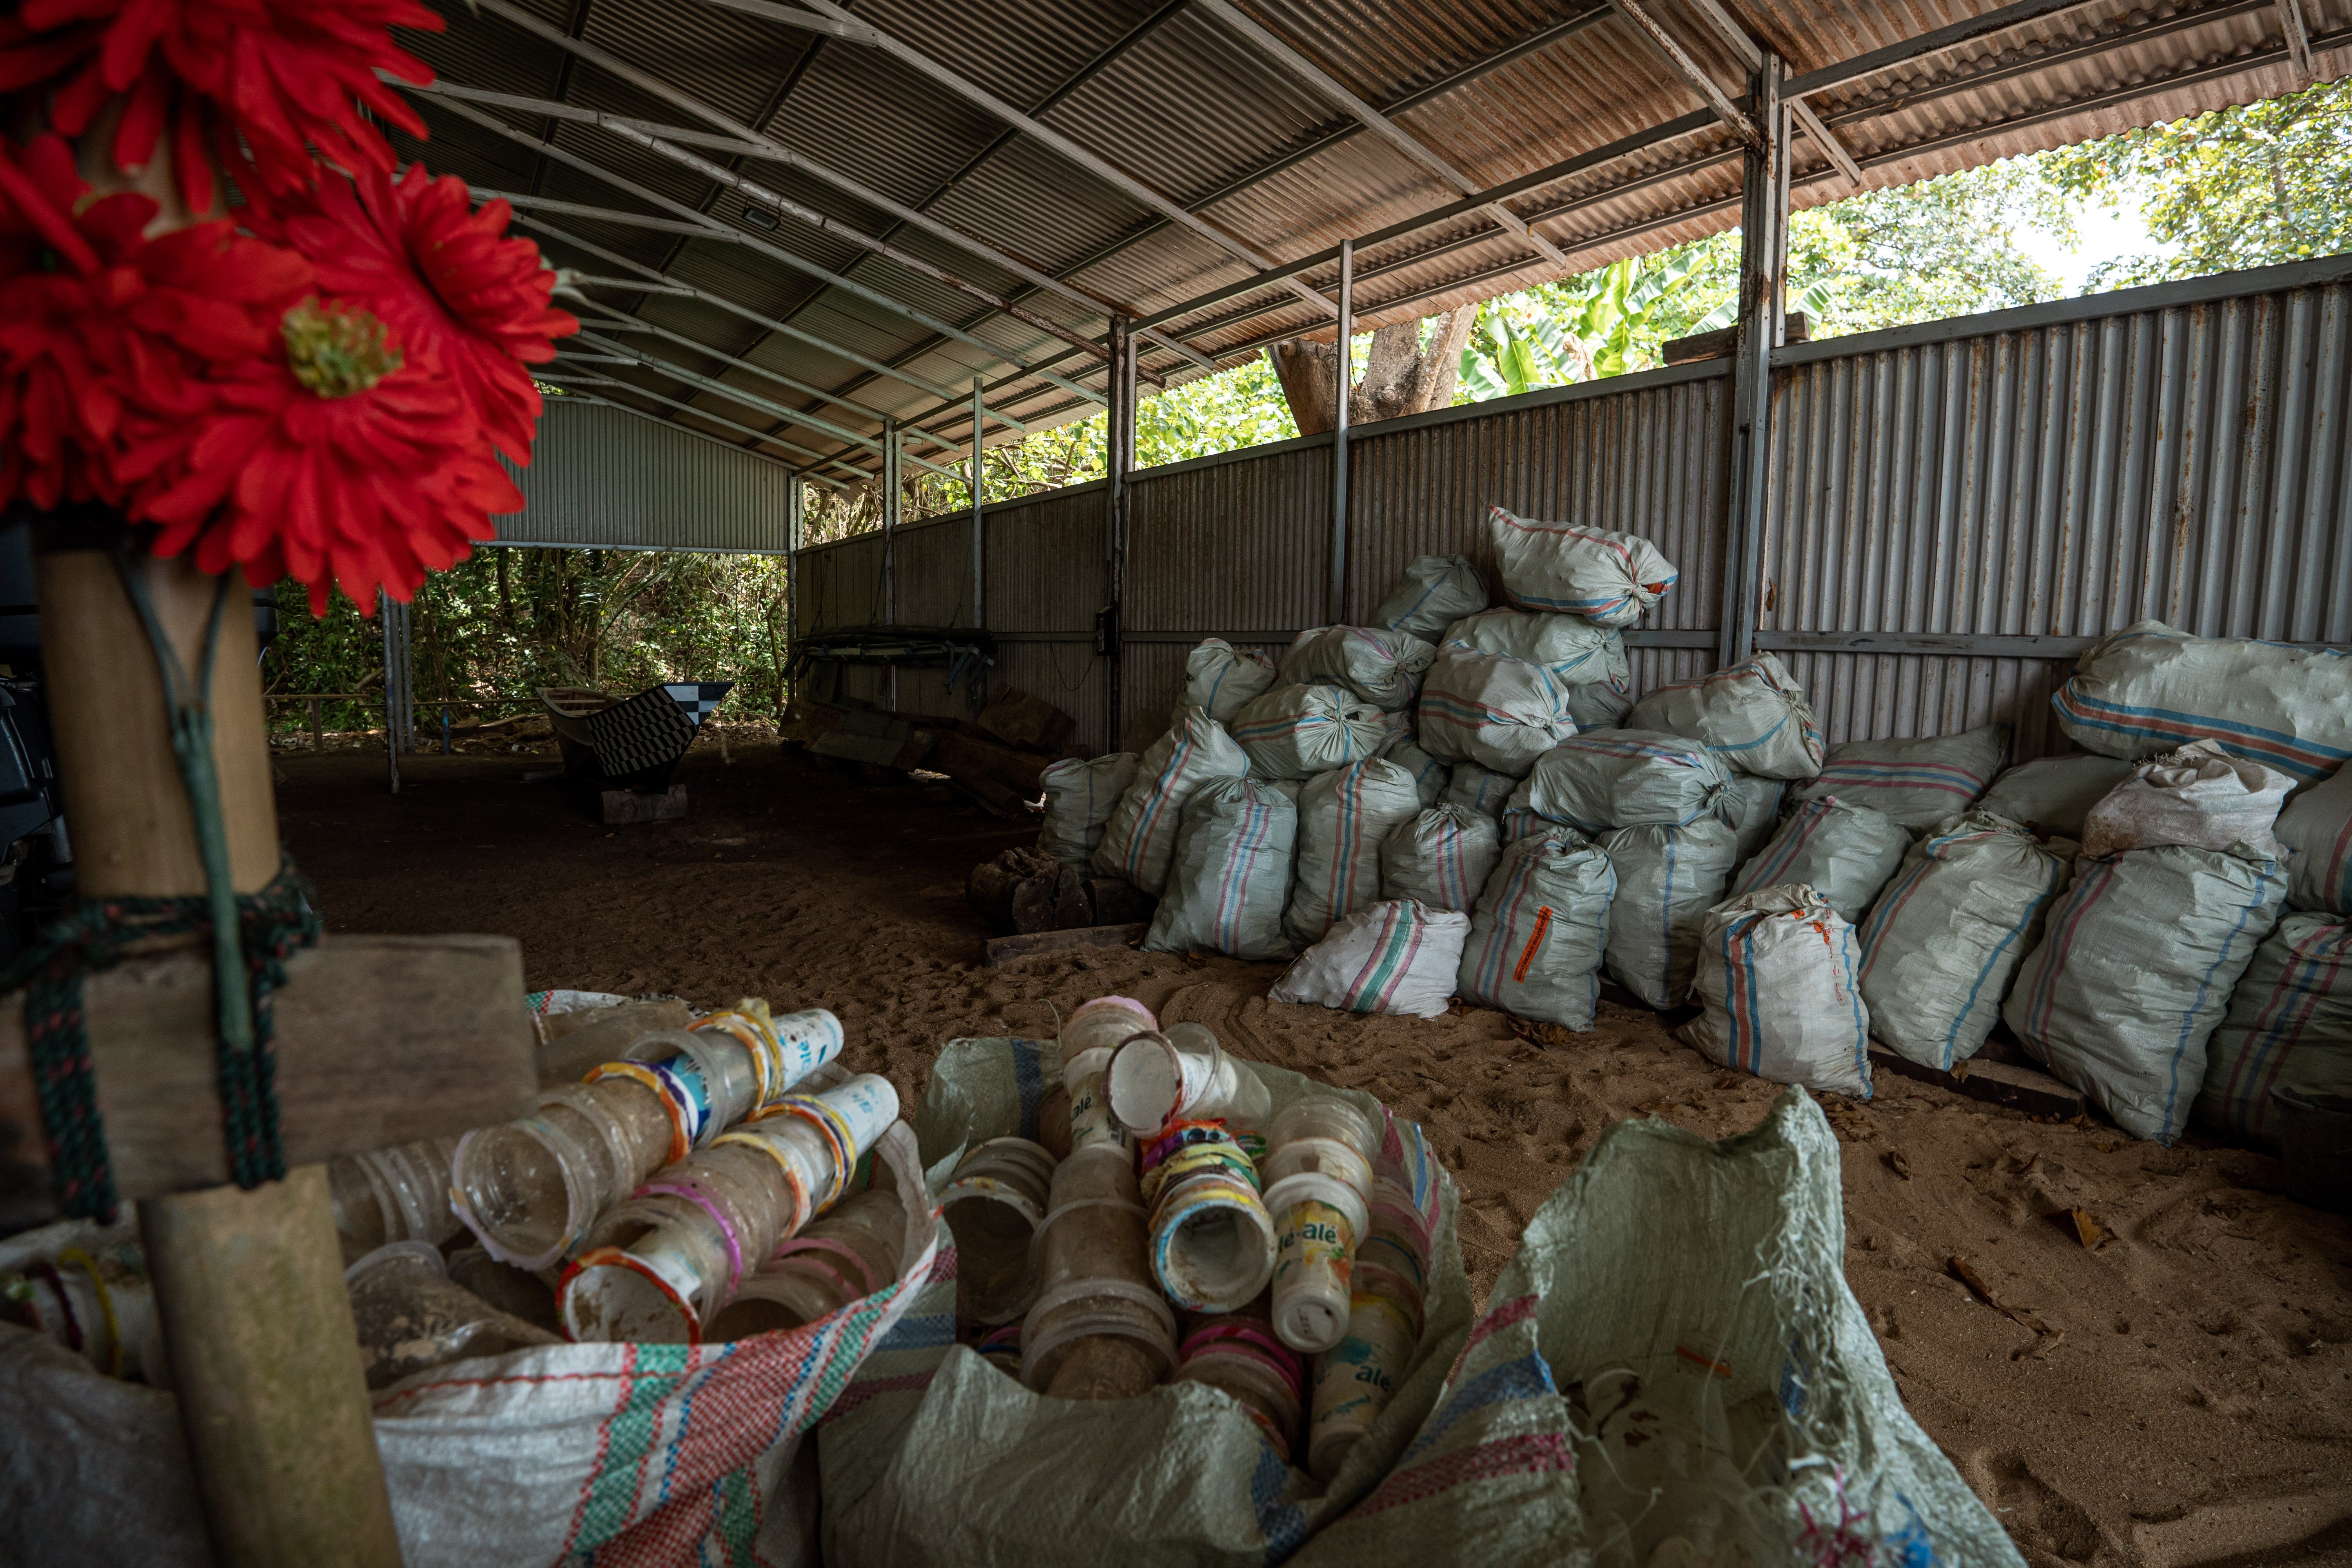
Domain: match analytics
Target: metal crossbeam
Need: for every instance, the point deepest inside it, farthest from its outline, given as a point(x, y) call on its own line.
point(1862, 66)
point(1388, 129)
point(794, 16)
point(1697, 80)
point(1831, 148)
point(770, 437)
point(2293, 22)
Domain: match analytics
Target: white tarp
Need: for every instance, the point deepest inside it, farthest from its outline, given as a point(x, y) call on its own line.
point(1945, 938)
point(2199, 796)
point(1490, 709)
point(1396, 957)
point(1343, 817)
point(2317, 829)
point(1080, 799)
point(1607, 577)
point(1140, 838)
point(1223, 680)
point(1776, 976)
point(1667, 879)
point(2053, 795)
point(2148, 688)
point(1442, 858)
point(1538, 934)
point(1435, 592)
point(1384, 667)
point(1845, 852)
point(1298, 731)
point(2135, 970)
point(1229, 880)
point(2289, 1024)
point(1916, 783)
point(1620, 778)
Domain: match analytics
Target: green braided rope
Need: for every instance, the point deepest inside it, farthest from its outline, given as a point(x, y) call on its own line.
point(270, 925)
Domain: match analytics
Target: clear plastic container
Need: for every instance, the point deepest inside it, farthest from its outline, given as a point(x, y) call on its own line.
point(1328, 1137)
point(993, 1204)
point(861, 1237)
point(1159, 1076)
point(1105, 1022)
point(401, 1194)
point(411, 1317)
point(1099, 1328)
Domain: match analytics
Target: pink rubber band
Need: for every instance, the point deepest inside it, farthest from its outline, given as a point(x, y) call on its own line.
point(826, 1244)
point(1241, 1330)
point(734, 1248)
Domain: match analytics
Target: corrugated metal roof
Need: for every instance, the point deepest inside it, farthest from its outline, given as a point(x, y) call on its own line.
point(1167, 93)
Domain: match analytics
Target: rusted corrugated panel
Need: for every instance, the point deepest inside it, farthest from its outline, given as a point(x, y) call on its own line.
point(1045, 561)
point(1648, 455)
point(2188, 462)
point(1241, 544)
point(600, 479)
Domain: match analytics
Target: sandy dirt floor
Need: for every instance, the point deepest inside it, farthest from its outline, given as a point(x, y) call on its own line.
point(2192, 1403)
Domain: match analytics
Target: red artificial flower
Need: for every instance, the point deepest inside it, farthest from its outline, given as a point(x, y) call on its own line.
point(278, 75)
point(336, 457)
point(97, 322)
point(448, 280)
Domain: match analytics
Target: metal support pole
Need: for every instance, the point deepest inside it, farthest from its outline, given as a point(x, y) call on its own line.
point(795, 504)
point(978, 538)
point(1763, 279)
point(1346, 365)
point(893, 498)
point(1121, 460)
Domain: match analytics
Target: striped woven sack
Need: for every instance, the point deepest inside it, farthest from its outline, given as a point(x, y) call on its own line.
point(1344, 817)
point(1434, 592)
point(1916, 783)
point(2289, 1024)
point(1753, 714)
point(1442, 858)
point(1775, 981)
point(1538, 934)
point(1576, 651)
point(1490, 709)
point(1139, 840)
point(1607, 577)
point(2149, 689)
point(1384, 667)
point(2317, 828)
point(1619, 778)
point(1298, 731)
point(1841, 851)
point(1396, 956)
point(1231, 875)
point(1667, 879)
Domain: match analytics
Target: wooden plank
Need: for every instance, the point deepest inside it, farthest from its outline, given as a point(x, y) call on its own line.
point(2029, 1090)
point(381, 1040)
point(1003, 949)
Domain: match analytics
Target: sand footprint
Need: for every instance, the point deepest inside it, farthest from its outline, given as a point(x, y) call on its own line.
point(2046, 1521)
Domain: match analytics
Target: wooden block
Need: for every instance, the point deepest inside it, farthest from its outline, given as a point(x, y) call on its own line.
point(1017, 719)
point(381, 1040)
point(2029, 1090)
point(988, 766)
point(1006, 949)
point(625, 806)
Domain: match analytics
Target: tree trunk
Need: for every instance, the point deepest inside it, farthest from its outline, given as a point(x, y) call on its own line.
point(1401, 377)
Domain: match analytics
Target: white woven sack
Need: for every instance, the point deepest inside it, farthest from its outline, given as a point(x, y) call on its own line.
point(1674, 1353)
point(1442, 858)
point(1080, 799)
point(1667, 879)
point(1607, 577)
point(1599, 705)
point(1384, 667)
point(1576, 651)
point(2148, 688)
point(1434, 592)
point(2199, 796)
point(1620, 778)
point(1490, 709)
point(1844, 853)
point(1140, 838)
point(2316, 830)
point(1344, 815)
point(1916, 783)
point(1753, 715)
point(1231, 875)
point(1397, 957)
point(1223, 680)
point(1479, 788)
point(1538, 932)
point(2134, 971)
point(2289, 1026)
point(1429, 775)
point(1776, 975)
point(1752, 806)
point(1298, 731)
point(1945, 940)
point(2053, 795)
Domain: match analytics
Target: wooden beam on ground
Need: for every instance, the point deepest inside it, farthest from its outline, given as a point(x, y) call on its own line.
point(1003, 950)
point(381, 1040)
point(2024, 1089)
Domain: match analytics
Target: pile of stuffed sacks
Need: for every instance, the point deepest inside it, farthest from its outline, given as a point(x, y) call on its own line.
point(1464, 800)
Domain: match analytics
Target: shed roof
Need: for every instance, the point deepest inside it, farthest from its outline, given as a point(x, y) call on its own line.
point(938, 191)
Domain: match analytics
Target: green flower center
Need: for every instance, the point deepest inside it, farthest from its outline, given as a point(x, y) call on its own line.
point(336, 350)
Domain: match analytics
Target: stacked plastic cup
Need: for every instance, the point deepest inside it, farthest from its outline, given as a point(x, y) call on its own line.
point(401, 1194)
point(529, 1190)
point(660, 1266)
point(410, 1317)
point(1155, 1077)
point(1211, 1239)
point(1318, 1185)
point(1094, 1031)
point(1355, 1379)
point(1239, 1353)
point(993, 1204)
point(845, 1257)
point(1099, 1328)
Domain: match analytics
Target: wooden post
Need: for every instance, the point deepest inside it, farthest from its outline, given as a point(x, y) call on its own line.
point(318, 734)
point(264, 1354)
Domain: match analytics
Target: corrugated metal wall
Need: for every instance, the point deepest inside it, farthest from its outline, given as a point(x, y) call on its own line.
point(600, 479)
point(1956, 510)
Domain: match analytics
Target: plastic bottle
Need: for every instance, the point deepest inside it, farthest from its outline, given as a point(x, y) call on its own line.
point(1355, 1379)
point(993, 1204)
point(1211, 1239)
point(529, 1190)
point(1100, 1327)
point(1239, 1353)
point(661, 1264)
point(401, 1194)
point(843, 1258)
point(1157, 1078)
point(410, 1317)
point(1318, 1181)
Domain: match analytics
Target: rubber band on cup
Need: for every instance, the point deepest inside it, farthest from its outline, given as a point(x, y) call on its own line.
point(726, 1231)
point(827, 1246)
point(42, 1269)
point(681, 1136)
point(802, 1209)
point(89, 1264)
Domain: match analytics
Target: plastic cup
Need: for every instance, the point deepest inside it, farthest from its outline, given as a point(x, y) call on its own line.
point(1151, 1081)
point(399, 1193)
point(1092, 1126)
point(993, 1204)
point(860, 1239)
point(410, 1317)
point(531, 1297)
point(1355, 1379)
point(1316, 1223)
point(101, 1306)
point(1104, 1023)
point(1099, 1328)
point(1239, 1354)
point(530, 1189)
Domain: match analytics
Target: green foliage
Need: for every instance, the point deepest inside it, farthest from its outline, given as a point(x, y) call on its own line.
point(2245, 186)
